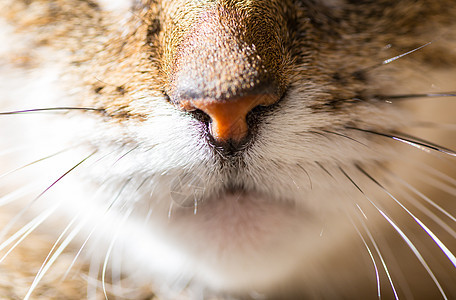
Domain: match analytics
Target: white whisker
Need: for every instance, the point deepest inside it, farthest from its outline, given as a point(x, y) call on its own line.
point(440, 185)
point(427, 199)
point(424, 209)
point(441, 245)
point(438, 174)
point(64, 232)
point(402, 235)
point(51, 261)
point(125, 154)
point(116, 269)
point(117, 197)
point(429, 213)
point(372, 259)
point(94, 228)
point(92, 278)
point(415, 251)
point(105, 265)
point(170, 210)
point(108, 253)
point(377, 249)
point(34, 162)
point(27, 207)
point(414, 142)
point(25, 231)
point(389, 60)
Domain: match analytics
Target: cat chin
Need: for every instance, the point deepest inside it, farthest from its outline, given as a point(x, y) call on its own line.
point(236, 242)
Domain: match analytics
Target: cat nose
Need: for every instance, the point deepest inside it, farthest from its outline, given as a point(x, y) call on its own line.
point(218, 68)
point(229, 117)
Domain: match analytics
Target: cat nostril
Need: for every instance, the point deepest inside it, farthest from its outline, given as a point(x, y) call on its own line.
point(228, 117)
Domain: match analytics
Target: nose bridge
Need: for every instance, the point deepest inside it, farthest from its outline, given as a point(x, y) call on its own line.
point(214, 60)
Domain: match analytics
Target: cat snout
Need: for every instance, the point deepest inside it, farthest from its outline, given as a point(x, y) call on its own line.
point(222, 70)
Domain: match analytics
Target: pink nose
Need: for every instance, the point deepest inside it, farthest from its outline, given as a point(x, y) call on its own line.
point(228, 117)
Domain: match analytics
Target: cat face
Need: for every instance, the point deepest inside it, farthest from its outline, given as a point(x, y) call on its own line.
point(239, 146)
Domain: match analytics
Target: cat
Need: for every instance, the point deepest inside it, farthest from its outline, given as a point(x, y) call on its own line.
point(220, 149)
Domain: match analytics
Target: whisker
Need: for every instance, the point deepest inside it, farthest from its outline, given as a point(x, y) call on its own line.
point(377, 249)
point(420, 140)
point(92, 278)
point(411, 96)
point(46, 109)
point(411, 141)
point(345, 136)
point(105, 265)
point(117, 197)
point(108, 253)
point(313, 132)
point(390, 60)
point(402, 235)
point(442, 176)
point(34, 162)
point(21, 213)
point(94, 228)
point(142, 184)
point(64, 232)
point(324, 169)
point(440, 185)
point(101, 220)
point(377, 276)
point(51, 261)
point(441, 245)
point(67, 272)
point(25, 231)
point(170, 210)
point(116, 270)
point(425, 198)
point(422, 196)
point(125, 154)
point(399, 277)
point(367, 246)
point(195, 205)
point(63, 175)
point(413, 201)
